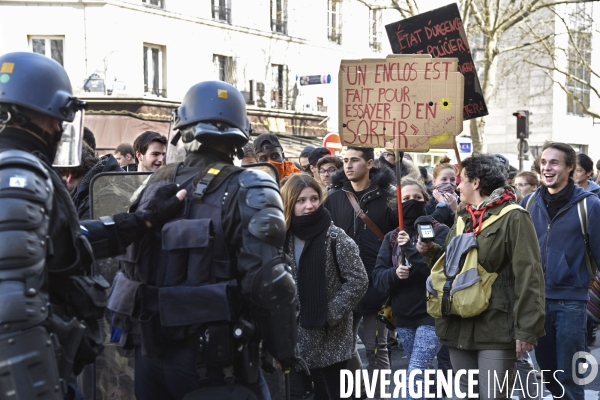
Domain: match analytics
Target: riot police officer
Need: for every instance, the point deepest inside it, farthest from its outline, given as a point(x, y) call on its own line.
point(196, 298)
point(49, 298)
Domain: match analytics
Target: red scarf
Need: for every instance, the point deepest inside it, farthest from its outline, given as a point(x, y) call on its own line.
point(477, 215)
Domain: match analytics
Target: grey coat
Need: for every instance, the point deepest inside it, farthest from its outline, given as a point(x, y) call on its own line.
point(321, 347)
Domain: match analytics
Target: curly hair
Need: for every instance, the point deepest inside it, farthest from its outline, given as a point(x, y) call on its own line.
point(488, 169)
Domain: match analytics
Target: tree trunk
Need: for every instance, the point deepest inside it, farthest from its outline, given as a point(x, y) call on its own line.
point(477, 127)
point(490, 66)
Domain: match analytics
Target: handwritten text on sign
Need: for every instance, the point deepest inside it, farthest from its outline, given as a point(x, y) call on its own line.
point(400, 101)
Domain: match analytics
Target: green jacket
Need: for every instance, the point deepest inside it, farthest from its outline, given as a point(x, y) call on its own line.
point(510, 248)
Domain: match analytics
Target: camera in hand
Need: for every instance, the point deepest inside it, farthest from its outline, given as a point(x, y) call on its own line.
point(425, 229)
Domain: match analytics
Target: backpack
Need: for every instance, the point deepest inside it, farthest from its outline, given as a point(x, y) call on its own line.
point(458, 284)
point(590, 263)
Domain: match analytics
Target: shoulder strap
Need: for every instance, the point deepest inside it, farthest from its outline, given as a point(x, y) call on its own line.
point(204, 178)
point(364, 218)
point(493, 218)
point(460, 223)
point(530, 201)
point(583, 221)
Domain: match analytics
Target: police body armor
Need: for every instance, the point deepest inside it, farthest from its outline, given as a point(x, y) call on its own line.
point(48, 309)
point(180, 285)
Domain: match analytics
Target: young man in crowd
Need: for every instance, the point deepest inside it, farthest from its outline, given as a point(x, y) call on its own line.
point(583, 174)
point(370, 187)
point(303, 160)
point(327, 167)
point(150, 148)
point(315, 156)
point(555, 208)
point(126, 157)
point(268, 149)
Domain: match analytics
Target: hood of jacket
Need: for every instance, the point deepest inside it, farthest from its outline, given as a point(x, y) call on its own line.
point(382, 177)
point(592, 187)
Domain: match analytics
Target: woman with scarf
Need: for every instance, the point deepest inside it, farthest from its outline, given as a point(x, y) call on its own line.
point(402, 272)
point(331, 281)
point(514, 320)
point(444, 202)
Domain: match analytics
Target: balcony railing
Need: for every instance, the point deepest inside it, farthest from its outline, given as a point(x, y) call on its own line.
point(279, 26)
point(155, 91)
point(335, 37)
point(222, 14)
point(375, 45)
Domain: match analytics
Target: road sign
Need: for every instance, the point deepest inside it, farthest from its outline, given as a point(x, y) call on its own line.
point(333, 143)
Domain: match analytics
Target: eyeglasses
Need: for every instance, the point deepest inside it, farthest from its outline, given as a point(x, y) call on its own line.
point(306, 168)
point(523, 184)
point(330, 171)
point(386, 154)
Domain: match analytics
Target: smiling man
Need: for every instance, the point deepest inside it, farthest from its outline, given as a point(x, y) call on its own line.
point(150, 148)
point(555, 208)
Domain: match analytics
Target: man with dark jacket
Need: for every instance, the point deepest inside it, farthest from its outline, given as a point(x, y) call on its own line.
point(555, 210)
point(583, 174)
point(371, 188)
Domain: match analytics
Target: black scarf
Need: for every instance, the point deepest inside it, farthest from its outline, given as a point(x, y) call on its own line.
point(411, 210)
point(312, 285)
point(554, 202)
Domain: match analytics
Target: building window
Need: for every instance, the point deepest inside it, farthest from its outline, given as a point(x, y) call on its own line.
point(374, 30)
point(579, 56)
point(334, 23)
point(279, 16)
point(279, 87)
point(224, 68)
point(50, 46)
point(154, 70)
point(221, 10)
point(157, 3)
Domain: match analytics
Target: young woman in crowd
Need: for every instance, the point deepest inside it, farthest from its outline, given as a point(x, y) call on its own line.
point(330, 284)
point(444, 203)
point(527, 182)
point(402, 272)
point(514, 320)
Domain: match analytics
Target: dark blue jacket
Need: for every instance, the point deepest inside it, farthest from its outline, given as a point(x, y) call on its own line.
point(562, 244)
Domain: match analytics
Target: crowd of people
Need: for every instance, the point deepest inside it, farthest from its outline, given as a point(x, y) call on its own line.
point(221, 263)
point(346, 267)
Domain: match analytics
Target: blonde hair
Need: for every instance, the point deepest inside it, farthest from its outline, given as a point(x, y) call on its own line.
point(530, 177)
point(443, 164)
point(290, 191)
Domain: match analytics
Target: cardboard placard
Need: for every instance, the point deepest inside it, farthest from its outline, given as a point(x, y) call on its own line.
point(405, 102)
point(440, 33)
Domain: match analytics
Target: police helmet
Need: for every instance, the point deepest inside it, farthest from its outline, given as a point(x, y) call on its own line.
point(212, 110)
point(38, 83)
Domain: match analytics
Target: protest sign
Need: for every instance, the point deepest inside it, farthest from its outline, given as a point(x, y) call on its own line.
point(440, 33)
point(404, 102)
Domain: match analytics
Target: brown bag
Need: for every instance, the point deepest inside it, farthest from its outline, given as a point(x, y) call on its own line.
point(361, 214)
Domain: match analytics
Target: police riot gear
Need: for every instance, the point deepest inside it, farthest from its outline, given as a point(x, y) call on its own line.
point(49, 299)
point(26, 198)
point(34, 82)
point(215, 279)
point(38, 83)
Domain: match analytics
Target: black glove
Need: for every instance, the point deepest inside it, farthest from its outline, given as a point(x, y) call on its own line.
point(164, 206)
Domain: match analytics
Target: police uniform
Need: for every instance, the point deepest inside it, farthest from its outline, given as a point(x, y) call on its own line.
point(49, 298)
point(196, 298)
